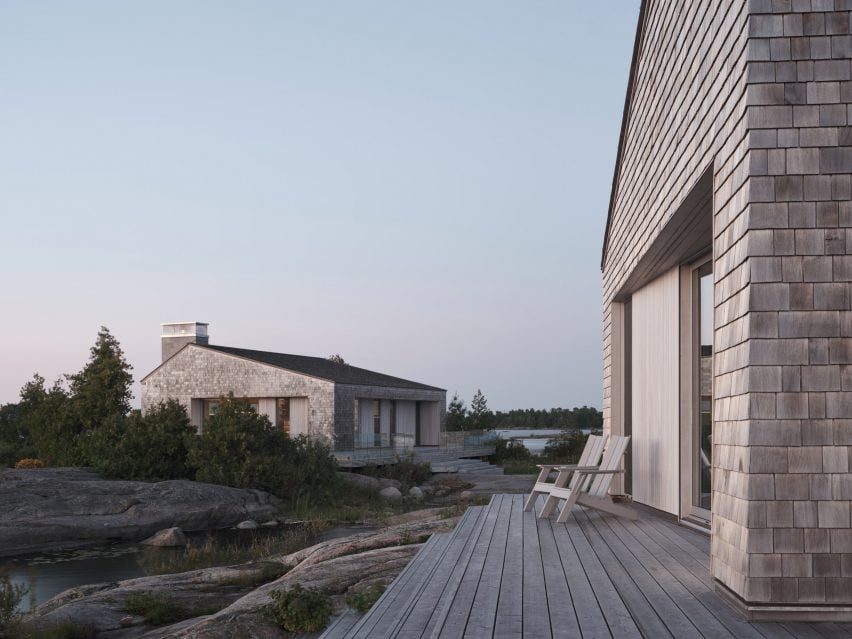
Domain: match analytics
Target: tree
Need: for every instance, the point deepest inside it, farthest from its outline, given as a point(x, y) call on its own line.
point(45, 418)
point(336, 358)
point(456, 413)
point(480, 417)
point(102, 390)
point(240, 448)
point(146, 447)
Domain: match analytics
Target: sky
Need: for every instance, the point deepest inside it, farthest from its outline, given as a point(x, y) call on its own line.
point(421, 187)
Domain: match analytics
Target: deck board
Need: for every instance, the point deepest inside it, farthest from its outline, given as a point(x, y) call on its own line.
point(504, 573)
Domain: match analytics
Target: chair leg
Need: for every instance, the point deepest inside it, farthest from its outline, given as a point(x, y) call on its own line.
point(530, 505)
point(565, 513)
point(549, 505)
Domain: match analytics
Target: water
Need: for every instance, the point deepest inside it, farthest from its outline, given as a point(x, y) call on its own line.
point(533, 439)
point(50, 573)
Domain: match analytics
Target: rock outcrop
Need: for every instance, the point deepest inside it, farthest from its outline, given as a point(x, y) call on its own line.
point(166, 538)
point(334, 567)
point(56, 508)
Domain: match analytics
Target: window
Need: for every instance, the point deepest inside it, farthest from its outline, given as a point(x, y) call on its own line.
point(284, 414)
point(377, 421)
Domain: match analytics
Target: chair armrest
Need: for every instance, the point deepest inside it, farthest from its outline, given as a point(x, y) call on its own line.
point(598, 471)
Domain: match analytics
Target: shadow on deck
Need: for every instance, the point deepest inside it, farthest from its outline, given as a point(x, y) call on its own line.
point(504, 573)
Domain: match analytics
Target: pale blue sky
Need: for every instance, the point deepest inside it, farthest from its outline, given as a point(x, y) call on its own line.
point(421, 187)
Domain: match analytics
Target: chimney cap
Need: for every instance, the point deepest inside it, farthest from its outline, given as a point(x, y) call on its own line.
point(184, 329)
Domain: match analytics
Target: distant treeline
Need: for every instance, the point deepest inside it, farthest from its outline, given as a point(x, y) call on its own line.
point(585, 417)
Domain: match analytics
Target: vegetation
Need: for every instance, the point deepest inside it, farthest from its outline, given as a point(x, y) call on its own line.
point(209, 552)
point(479, 417)
point(363, 601)
point(149, 447)
point(28, 462)
point(299, 609)
point(11, 595)
point(159, 610)
point(406, 471)
point(336, 358)
point(584, 418)
point(240, 448)
point(59, 424)
point(62, 630)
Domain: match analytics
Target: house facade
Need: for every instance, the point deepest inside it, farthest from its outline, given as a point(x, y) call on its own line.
point(345, 406)
point(727, 282)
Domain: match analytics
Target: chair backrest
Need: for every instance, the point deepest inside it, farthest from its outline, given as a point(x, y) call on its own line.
point(590, 456)
point(615, 449)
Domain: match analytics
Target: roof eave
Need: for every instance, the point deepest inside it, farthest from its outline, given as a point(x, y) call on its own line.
point(637, 45)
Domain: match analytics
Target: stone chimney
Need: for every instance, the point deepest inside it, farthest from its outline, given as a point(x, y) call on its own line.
point(175, 335)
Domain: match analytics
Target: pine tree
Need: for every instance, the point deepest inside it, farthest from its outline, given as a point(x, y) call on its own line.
point(102, 390)
point(480, 417)
point(456, 413)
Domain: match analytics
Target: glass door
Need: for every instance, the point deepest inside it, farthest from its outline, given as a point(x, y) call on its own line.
point(702, 434)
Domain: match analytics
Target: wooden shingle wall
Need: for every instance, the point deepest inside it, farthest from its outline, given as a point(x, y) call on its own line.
point(762, 92)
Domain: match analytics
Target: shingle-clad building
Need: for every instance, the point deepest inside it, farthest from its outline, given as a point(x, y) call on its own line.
point(346, 406)
point(728, 242)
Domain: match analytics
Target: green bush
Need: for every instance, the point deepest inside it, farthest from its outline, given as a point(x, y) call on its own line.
point(240, 448)
point(363, 601)
point(566, 448)
point(11, 596)
point(507, 449)
point(146, 448)
point(299, 609)
point(406, 471)
point(159, 610)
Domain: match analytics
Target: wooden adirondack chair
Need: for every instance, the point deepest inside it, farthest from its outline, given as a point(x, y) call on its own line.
point(589, 459)
point(594, 494)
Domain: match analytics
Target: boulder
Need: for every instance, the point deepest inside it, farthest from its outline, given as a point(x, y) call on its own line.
point(166, 538)
point(390, 493)
point(415, 492)
point(373, 483)
point(248, 524)
point(54, 508)
point(272, 523)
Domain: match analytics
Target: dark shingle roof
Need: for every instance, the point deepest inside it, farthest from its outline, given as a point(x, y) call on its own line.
point(322, 368)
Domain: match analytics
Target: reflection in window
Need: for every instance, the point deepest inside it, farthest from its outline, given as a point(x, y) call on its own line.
point(704, 427)
point(284, 414)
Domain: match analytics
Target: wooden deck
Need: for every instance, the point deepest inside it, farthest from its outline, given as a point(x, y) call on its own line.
point(504, 573)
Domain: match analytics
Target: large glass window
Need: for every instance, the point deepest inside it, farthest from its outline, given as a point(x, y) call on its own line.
point(284, 414)
point(703, 431)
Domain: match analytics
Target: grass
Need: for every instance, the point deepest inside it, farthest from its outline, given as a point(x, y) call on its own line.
point(363, 601)
point(211, 552)
point(521, 466)
point(64, 630)
point(159, 610)
point(351, 504)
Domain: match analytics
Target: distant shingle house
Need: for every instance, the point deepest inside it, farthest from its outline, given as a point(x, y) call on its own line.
point(347, 406)
point(727, 292)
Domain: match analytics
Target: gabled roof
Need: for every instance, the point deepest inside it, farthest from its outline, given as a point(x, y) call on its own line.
point(637, 45)
point(321, 367)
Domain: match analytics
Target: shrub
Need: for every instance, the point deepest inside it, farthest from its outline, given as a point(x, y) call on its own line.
point(566, 448)
point(240, 448)
point(299, 609)
point(11, 596)
point(159, 610)
point(406, 471)
point(146, 447)
point(363, 601)
point(507, 449)
point(29, 462)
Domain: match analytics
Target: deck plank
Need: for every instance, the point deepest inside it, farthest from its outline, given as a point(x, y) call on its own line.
point(536, 612)
point(560, 603)
point(505, 573)
point(483, 614)
point(509, 622)
point(579, 558)
point(418, 615)
point(645, 548)
point(460, 589)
